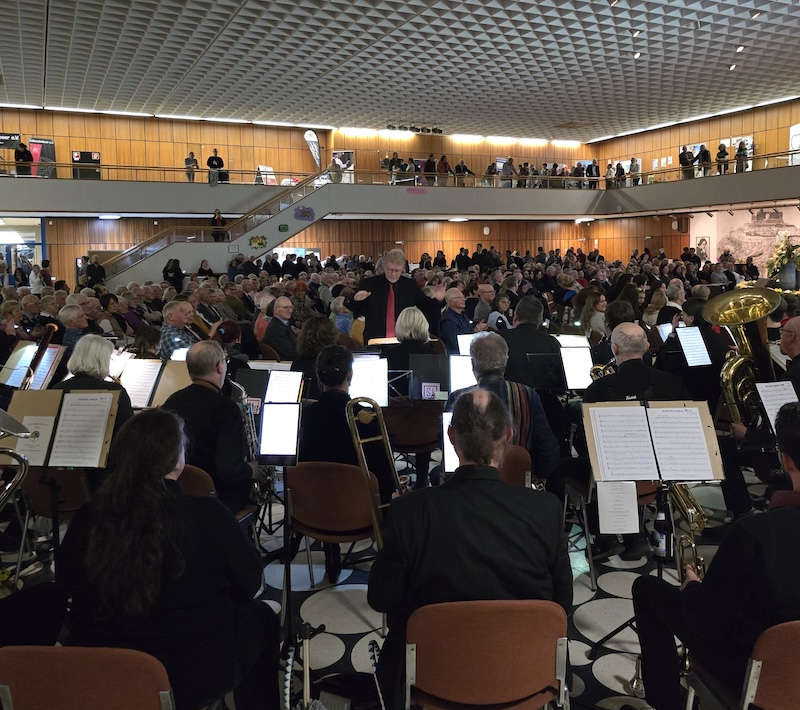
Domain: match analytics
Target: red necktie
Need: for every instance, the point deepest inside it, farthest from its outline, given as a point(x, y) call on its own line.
point(390, 313)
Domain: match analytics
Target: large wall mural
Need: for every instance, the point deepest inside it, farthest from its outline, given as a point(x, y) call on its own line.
point(753, 234)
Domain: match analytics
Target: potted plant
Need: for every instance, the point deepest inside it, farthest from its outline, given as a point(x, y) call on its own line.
point(784, 260)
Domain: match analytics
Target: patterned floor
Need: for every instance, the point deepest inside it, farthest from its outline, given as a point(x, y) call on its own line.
point(602, 683)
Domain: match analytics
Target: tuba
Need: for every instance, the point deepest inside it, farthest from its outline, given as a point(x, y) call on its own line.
point(744, 311)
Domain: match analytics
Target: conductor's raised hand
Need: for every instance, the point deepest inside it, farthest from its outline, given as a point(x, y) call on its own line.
point(361, 295)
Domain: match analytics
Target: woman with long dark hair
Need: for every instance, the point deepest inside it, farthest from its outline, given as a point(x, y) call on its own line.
point(152, 569)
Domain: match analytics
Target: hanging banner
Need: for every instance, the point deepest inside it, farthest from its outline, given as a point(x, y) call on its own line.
point(44, 157)
point(313, 145)
point(9, 140)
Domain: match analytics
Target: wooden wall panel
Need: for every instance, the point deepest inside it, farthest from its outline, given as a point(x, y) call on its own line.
point(162, 142)
point(616, 238)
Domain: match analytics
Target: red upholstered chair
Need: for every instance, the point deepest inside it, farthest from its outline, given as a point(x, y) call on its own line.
point(509, 653)
point(74, 678)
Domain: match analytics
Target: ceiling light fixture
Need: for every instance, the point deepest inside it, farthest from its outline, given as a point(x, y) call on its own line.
point(558, 143)
point(636, 33)
point(226, 120)
point(437, 131)
point(21, 106)
point(466, 138)
point(612, 2)
point(274, 123)
point(731, 67)
point(636, 55)
point(533, 142)
point(394, 134)
point(710, 214)
point(730, 212)
point(11, 237)
point(178, 117)
point(458, 219)
point(425, 130)
point(318, 126)
point(358, 132)
point(754, 13)
point(70, 110)
point(391, 127)
point(108, 216)
point(740, 48)
point(133, 114)
point(501, 140)
point(402, 128)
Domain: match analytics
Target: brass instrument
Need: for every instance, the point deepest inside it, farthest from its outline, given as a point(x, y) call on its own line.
point(744, 311)
point(50, 329)
point(686, 554)
point(599, 371)
point(636, 684)
point(370, 411)
point(689, 508)
point(248, 419)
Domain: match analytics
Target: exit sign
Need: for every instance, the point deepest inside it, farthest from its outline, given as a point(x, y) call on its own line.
point(283, 227)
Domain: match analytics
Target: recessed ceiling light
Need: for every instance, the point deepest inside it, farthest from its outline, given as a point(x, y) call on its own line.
point(636, 55)
point(755, 13)
point(636, 33)
point(612, 2)
point(731, 67)
point(2, 222)
point(108, 216)
point(458, 219)
point(740, 48)
point(466, 138)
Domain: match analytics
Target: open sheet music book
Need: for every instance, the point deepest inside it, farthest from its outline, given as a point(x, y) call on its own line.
point(672, 441)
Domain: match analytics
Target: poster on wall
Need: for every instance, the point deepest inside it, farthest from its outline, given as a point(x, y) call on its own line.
point(9, 141)
point(345, 159)
point(265, 175)
point(702, 246)
point(83, 160)
point(44, 157)
point(754, 234)
point(794, 144)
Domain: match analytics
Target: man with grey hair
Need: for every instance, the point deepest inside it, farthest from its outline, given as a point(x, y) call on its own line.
point(213, 425)
point(676, 294)
point(381, 298)
point(489, 354)
point(419, 564)
point(454, 322)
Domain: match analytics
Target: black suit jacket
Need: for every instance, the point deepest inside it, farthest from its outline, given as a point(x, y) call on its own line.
point(634, 380)
point(193, 628)
point(217, 442)
point(282, 338)
point(406, 294)
point(525, 338)
point(444, 544)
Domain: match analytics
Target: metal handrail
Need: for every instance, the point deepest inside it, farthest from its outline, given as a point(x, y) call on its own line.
point(164, 238)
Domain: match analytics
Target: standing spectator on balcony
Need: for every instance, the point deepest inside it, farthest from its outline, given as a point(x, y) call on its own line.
point(461, 172)
point(430, 170)
point(491, 174)
point(610, 177)
point(335, 171)
point(635, 172)
point(215, 164)
point(190, 165)
point(722, 159)
point(579, 172)
point(593, 173)
point(95, 273)
point(218, 221)
point(524, 171)
point(443, 171)
point(704, 159)
point(686, 159)
point(23, 159)
point(507, 171)
point(741, 157)
point(620, 175)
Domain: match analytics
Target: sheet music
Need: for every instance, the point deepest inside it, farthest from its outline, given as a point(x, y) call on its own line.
point(371, 379)
point(773, 396)
point(179, 354)
point(694, 347)
point(464, 341)
point(284, 386)
point(461, 374)
point(622, 440)
point(572, 341)
point(664, 330)
point(47, 367)
point(81, 429)
point(617, 507)
point(680, 443)
point(448, 450)
point(268, 365)
point(15, 369)
point(119, 359)
point(279, 425)
point(36, 449)
point(139, 379)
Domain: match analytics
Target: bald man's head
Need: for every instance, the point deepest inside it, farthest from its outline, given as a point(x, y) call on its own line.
point(480, 429)
point(206, 361)
point(628, 342)
point(790, 337)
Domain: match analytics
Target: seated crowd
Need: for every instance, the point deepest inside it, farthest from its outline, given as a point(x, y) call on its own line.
point(149, 567)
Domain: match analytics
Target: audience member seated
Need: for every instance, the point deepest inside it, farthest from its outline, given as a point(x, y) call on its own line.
point(214, 429)
point(89, 364)
point(74, 321)
point(752, 584)
point(280, 333)
point(174, 333)
point(229, 335)
point(489, 354)
point(444, 544)
point(453, 321)
point(154, 570)
point(316, 334)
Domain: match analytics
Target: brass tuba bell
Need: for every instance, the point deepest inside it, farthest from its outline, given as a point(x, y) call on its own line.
point(744, 311)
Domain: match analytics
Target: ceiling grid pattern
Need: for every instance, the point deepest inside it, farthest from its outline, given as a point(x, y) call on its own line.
point(553, 68)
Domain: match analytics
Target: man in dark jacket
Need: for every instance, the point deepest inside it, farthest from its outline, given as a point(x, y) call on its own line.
point(23, 159)
point(526, 337)
point(752, 584)
point(214, 427)
point(381, 298)
point(443, 544)
point(279, 334)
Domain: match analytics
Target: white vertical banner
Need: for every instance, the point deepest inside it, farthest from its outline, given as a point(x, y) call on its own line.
point(313, 145)
point(794, 144)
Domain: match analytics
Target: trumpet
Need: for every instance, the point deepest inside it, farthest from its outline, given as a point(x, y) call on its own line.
point(599, 371)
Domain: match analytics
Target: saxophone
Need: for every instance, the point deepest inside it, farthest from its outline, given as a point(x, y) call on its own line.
point(239, 396)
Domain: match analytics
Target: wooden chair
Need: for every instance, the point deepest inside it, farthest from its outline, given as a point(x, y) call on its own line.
point(414, 427)
point(268, 352)
point(196, 482)
point(771, 681)
point(509, 653)
point(74, 678)
point(517, 467)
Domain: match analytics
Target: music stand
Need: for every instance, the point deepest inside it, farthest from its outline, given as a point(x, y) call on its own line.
point(546, 372)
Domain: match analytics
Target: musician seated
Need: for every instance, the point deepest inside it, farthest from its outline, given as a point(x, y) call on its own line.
point(151, 569)
point(229, 335)
point(175, 334)
point(527, 336)
point(214, 425)
point(74, 321)
point(280, 334)
point(89, 365)
point(316, 334)
point(489, 354)
point(445, 544)
point(411, 330)
point(753, 583)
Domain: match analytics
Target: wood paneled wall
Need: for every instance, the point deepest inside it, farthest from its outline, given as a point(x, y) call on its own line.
point(71, 238)
point(768, 125)
point(616, 238)
point(163, 142)
point(370, 150)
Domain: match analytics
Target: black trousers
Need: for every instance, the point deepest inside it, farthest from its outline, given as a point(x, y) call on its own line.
point(257, 658)
point(661, 614)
